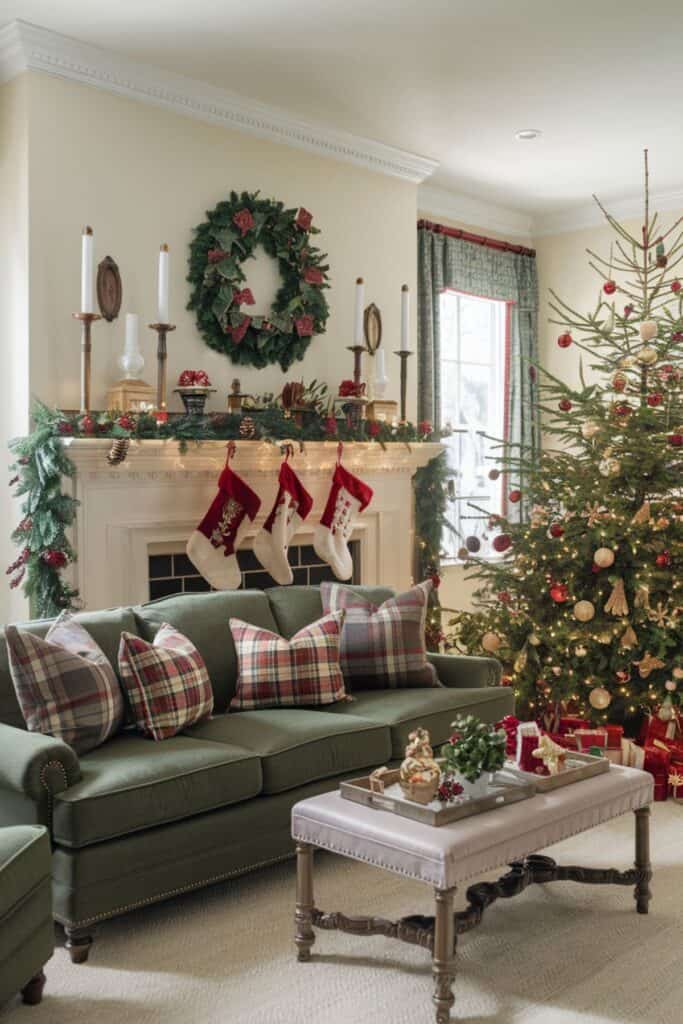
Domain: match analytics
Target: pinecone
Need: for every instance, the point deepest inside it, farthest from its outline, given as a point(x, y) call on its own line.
point(118, 451)
point(247, 427)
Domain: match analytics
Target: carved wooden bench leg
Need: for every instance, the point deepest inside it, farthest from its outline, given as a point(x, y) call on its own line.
point(443, 959)
point(303, 918)
point(32, 993)
point(78, 942)
point(642, 893)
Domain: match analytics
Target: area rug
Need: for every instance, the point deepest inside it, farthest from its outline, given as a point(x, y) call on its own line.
point(557, 954)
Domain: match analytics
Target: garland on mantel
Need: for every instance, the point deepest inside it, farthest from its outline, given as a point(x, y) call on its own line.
point(42, 461)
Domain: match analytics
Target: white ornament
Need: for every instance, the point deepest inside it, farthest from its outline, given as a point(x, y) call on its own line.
point(581, 651)
point(609, 467)
point(589, 429)
point(677, 673)
point(490, 642)
point(670, 685)
point(648, 330)
point(584, 611)
point(604, 557)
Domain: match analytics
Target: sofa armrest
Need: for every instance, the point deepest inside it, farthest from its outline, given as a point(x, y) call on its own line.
point(461, 671)
point(34, 765)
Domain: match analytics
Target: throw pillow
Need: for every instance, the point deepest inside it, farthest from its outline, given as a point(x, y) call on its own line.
point(384, 647)
point(274, 672)
point(65, 685)
point(166, 682)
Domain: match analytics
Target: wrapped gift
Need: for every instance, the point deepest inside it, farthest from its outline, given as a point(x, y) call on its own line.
point(509, 725)
point(569, 723)
point(528, 735)
point(655, 760)
point(586, 738)
point(615, 734)
point(566, 740)
point(653, 728)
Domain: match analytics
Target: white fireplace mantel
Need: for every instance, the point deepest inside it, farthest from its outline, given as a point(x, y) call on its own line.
point(157, 496)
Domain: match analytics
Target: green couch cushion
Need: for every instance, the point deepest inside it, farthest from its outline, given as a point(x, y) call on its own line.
point(132, 783)
point(24, 863)
point(105, 628)
point(295, 607)
point(204, 618)
point(404, 710)
point(297, 746)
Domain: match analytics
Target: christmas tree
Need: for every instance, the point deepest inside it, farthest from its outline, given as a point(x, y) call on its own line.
point(585, 605)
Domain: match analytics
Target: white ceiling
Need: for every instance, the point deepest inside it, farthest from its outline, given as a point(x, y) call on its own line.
point(449, 79)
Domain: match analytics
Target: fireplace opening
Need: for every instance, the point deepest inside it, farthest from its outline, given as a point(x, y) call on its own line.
point(172, 572)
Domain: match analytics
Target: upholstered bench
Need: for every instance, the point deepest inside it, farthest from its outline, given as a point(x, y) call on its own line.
point(26, 928)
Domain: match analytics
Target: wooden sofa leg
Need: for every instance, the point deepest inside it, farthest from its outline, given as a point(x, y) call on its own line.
point(32, 993)
point(78, 942)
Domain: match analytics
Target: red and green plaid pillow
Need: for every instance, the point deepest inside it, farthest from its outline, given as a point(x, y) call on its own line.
point(167, 682)
point(65, 685)
point(384, 647)
point(274, 672)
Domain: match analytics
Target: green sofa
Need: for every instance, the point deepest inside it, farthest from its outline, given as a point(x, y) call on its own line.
point(27, 934)
point(134, 821)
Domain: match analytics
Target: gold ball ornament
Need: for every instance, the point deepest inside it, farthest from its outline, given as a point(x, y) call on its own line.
point(627, 363)
point(581, 651)
point(647, 356)
point(604, 557)
point(677, 673)
point(589, 429)
point(490, 642)
point(648, 330)
point(609, 467)
point(671, 685)
point(599, 698)
point(534, 640)
point(584, 611)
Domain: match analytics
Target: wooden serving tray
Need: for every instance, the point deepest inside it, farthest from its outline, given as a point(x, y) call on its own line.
point(579, 766)
point(507, 788)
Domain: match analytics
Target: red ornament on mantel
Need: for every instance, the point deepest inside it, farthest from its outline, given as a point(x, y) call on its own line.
point(53, 557)
point(126, 422)
point(609, 287)
point(559, 592)
point(565, 340)
point(88, 425)
point(564, 404)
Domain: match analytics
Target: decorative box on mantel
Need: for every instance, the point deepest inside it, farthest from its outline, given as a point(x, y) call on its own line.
point(131, 396)
point(153, 500)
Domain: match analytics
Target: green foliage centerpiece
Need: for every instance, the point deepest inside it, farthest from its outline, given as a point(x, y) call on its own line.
point(474, 750)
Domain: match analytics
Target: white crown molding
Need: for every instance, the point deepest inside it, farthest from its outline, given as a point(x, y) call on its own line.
point(26, 47)
point(440, 202)
point(588, 215)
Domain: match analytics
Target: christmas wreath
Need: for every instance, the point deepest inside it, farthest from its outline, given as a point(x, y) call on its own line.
point(221, 247)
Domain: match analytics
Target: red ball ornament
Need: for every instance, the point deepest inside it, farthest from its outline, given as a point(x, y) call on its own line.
point(126, 422)
point(65, 428)
point(54, 558)
point(556, 530)
point(565, 405)
point(515, 496)
point(609, 287)
point(663, 560)
point(622, 409)
point(655, 399)
point(628, 310)
point(559, 592)
point(374, 428)
point(675, 286)
point(675, 440)
point(502, 542)
point(565, 340)
point(505, 597)
point(88, 425)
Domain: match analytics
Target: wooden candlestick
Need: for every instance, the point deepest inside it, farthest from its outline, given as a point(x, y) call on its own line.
point(358, 401)
point(403, 356)
point(162, 330)
point(86, 349)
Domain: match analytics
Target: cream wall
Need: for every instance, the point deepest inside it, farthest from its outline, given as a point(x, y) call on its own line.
point(147, 176)
point(13, 306)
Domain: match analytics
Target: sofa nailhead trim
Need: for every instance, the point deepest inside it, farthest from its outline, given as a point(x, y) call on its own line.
point(48, 790)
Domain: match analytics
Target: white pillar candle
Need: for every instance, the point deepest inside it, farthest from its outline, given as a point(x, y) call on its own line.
point(405, 319)
point(132, 324)
point(380, 368)
point(87, 272)
point(163, 304)
point(358, 318)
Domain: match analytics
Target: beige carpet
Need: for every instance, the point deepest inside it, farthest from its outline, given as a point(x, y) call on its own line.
point(559, 954)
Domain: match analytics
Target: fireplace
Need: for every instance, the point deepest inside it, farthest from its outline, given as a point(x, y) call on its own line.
point(148, 506)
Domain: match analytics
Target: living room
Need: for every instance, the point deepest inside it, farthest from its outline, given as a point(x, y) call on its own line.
point(343, 428)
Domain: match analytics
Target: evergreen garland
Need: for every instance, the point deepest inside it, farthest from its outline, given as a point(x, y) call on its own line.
point(222, 244)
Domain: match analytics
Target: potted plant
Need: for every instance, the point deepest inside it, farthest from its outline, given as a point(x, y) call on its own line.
point(473, 752)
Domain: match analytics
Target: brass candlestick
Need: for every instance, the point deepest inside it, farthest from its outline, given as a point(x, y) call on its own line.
point(87, 320)
point(403, 356)
point(162, 330)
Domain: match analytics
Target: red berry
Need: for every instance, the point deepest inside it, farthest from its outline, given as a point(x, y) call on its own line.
point(654, 399)
point(609, 287)
point(628, 310)
point(675, 440)
point(565, 340)
point(676, 286)
point(565, 405)
point(126, 422)
point(663, 561)
point(515, 496)
point(502, 542)
point(556, 530)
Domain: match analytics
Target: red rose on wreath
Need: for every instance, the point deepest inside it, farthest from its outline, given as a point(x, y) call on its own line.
point(237, 333)
point(312, 275)
point(304, 219)
point(244, 221)
point(216, 255)
point(243, 298)
point(304, 326)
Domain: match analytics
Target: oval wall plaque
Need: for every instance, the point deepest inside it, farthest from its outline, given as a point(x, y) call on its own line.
point(109, 289)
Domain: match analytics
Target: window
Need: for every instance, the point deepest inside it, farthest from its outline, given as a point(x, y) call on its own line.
point(473, 374)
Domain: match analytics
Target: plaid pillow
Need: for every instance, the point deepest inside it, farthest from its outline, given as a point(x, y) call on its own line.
point(167, 682)
point(385, 646)
point(274, 672)
point(65, 685)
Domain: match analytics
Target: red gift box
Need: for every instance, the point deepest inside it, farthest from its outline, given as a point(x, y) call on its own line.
point(587, 738)
point(654, 729)
point(653, 759)
point(615, 734)
point(568, 723)
point(568, 741)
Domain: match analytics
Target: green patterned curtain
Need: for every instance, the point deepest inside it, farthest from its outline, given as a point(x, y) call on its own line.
point(448, 262)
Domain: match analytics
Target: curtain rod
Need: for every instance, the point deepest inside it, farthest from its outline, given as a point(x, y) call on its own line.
point(467, 236)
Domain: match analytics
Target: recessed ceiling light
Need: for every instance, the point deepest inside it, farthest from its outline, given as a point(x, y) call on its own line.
point(526, 134)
